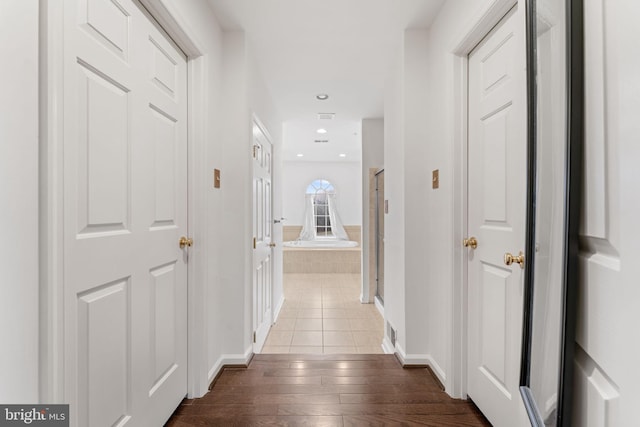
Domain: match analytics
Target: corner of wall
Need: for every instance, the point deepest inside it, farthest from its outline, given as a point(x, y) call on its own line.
point(229, 360)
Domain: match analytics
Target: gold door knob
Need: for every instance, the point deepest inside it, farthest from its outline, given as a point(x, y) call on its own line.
point(185, 241)
point(272, 245)
point(510, 259)
point(471, 242)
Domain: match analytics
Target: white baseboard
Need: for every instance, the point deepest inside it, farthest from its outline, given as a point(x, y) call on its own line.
point(400, 352)
point(379, 306)
point(387, 347)
point(421, 359)
point(229, 359)
point(276, 312)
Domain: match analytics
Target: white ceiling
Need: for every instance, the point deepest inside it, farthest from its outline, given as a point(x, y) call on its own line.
point(344, 137)
point(339, 47)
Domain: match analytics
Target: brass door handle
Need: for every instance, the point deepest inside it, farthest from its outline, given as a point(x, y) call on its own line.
point(510, 259)
point(272, 245)
point(185, 241)
point(471, 242)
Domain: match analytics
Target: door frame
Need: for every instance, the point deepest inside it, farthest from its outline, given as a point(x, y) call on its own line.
point(51, 250)
point(480, 25)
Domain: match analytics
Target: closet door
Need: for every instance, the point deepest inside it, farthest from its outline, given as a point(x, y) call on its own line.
point(125, 209)
point(497, 215)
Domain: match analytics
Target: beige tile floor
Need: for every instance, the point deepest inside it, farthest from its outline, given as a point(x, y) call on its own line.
point(322, 314)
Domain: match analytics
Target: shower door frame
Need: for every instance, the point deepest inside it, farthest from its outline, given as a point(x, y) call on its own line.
point(377, 297)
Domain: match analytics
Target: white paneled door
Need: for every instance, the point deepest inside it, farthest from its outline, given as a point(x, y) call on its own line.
point(125, 209)
point(496, 219)
point(263, 239)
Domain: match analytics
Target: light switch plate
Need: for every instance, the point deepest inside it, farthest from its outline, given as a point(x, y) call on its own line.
point(216, 178)
point(435, 179)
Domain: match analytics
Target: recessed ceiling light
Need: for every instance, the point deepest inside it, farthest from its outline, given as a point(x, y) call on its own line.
point(343, 155)
point(322, 131)
point(300, 155)
point(322, 96)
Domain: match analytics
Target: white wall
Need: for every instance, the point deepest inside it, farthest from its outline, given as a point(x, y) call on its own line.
point(394, 222)
point(19, 317)
point(420, 198)
point(345, 177)
point(235, 205)
point(416, 300)
point(372, 157)
point(243, 95)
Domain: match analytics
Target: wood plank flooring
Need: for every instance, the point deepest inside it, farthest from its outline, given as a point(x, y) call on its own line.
point(326, 390)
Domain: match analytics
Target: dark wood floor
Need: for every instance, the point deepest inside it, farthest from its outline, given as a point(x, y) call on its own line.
point(326, 390)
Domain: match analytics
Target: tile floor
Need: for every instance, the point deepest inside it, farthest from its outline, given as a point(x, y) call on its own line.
point(322, 314)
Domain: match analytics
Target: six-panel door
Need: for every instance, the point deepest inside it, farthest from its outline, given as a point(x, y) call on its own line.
point(125, 205)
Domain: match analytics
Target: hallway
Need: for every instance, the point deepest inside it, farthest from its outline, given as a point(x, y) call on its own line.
point(329, 390)
point(133, 252)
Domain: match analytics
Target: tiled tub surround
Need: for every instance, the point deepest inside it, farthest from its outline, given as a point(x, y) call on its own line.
point(322, 314)
point(321, 260)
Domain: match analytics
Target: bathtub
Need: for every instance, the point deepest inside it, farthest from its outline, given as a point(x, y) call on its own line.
point(324, 255)
point(321, 243)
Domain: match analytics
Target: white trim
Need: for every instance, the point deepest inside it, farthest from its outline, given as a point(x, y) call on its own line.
point(402, 355)
point(387, 347)
point(229, 359)
point(278, 308)
point(197, 353)
point(477, 28)
point(51, 208)
point(458, 379)
point(480, 25)
point(379, 306)
point(264, 130)
point(419, 360)
point(442, 376)
point(171, 21)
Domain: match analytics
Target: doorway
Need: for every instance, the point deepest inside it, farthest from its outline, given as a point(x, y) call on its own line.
point(322, 203)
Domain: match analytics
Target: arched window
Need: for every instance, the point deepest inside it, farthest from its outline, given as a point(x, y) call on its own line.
point(319, 190)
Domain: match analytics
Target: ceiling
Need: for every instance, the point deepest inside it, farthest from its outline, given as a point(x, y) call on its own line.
point(339, 47)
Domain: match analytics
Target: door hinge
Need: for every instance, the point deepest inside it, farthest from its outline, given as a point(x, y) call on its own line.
point(254, 337)
point(255, 241)
point(255, 150)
